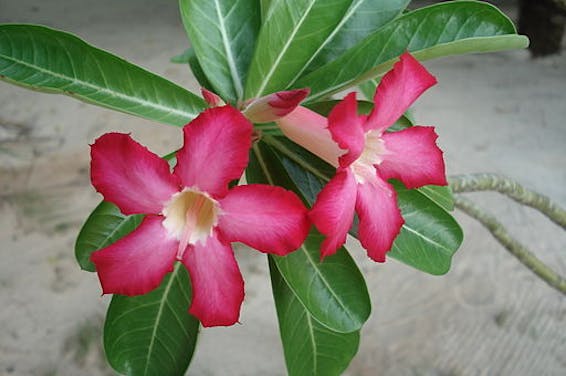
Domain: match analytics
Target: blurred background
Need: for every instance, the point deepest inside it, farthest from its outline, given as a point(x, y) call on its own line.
point(501, 112)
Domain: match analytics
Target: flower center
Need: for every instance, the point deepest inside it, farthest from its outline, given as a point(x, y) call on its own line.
point(374, 150)
point(190, 216)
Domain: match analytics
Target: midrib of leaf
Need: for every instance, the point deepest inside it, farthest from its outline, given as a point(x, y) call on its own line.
point(283, 50)
point(230, 58)
point(158, 318)
point(347, 16)
point(434, 196)
point(313, 342)
point(262, 164)
point(323, 279)
point(104, 243)
point(427, 239)
point(99, 89)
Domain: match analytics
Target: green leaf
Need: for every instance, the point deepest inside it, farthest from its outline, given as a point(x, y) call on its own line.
point(291, 34)
point(152, 334)
point(264, 6)
point(45, 59)
point(183, 58)
point(368, 88)
point(189, 57)
point(362, 18)
point(430, 236)
point(223, 34)
point(442, 196)
point(105, 225)
point(309, 347)
point(333, 291)
point(448, 28)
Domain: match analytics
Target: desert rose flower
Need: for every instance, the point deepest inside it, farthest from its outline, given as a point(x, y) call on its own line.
point(191, 214)
point(366, 156)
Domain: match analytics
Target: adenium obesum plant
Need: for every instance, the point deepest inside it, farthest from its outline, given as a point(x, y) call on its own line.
point(191, 215)
point(366, 156)
point(258, 61)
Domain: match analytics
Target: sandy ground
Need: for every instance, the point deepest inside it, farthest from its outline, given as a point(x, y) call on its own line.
point(489, 316)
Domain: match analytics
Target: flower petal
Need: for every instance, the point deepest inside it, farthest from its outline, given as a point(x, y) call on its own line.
point(397, 91)
point(380, 217)
point(272, 107)
point(333, 211)
point(137, 263)
point(215, 151)
point(269, 219)
point(309, 129)
point(346, 128)
point(218, 286)
point(129, 175)
point(413, 157)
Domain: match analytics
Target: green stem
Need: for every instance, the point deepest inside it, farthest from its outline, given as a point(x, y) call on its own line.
point(518, 250)
point(510, 188)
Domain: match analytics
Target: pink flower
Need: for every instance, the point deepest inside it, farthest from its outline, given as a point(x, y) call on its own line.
point(191, 215)
point(366, 156)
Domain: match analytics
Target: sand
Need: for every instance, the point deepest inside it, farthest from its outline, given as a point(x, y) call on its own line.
point(501, 112)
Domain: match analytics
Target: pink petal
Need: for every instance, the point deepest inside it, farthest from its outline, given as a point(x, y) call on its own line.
point(269, 219)
point(215, 151)
point(137, 263)
point(309, 129)
point(129, 175)
point(346, 128)
point(211, 98)
point(333, 211)
point(413, 157)
point(380, 217)
point(272, 107)
point(218, 287)
point(397, 91)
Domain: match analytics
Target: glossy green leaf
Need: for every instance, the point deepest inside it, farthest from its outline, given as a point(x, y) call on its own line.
point(105, 225)
point(290, 35)
point(309, 347)
point(183, 58)
point(442, 196)
point(49, 60)
point(430, 236)
point(362, 18)
point(223, 34)
point(333, 291)
point(152, 334)
point(264, 6)
point(189, 57)
point(448, 28)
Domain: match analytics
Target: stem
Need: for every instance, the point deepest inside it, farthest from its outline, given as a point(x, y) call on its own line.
point(518, 250)
point(512, 189)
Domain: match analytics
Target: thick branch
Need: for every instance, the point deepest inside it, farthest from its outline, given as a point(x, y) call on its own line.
point(518, 250)
point(510, 188)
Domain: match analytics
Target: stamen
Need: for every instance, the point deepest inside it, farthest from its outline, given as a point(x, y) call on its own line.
point(190, 216)
point(372, 155)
